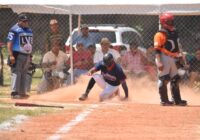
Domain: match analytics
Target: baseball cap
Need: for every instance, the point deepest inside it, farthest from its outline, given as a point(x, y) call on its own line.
point(53, 21)
point(105, 41)
point(84, 26)
point(23, 17)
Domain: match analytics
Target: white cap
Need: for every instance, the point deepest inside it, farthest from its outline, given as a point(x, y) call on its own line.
point(53, 21)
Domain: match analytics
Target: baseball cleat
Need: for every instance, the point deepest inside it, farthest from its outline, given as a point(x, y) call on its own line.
point(83, 97)
point(168, 103)
point(181, 103)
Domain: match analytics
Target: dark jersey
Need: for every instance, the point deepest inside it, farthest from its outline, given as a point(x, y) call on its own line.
point(172, 40)
point(113, 76)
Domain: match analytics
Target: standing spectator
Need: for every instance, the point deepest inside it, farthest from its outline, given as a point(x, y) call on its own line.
point(54, 34)
point(167, 46)
point(19, 44)
point(109, 80)
point(105, 48)
point(194, 68)
point(54, 74)
point(83, 37)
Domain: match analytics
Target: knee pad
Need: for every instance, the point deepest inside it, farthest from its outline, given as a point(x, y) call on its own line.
point(175, 79)
point(163, 80)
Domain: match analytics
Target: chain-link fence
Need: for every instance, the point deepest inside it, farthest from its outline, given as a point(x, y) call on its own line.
point(146, 25)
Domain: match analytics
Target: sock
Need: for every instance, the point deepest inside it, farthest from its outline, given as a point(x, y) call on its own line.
point(90, 85)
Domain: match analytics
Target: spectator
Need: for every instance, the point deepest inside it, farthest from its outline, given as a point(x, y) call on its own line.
point(92, 49)
point(194, 68)
point(136, 63)
point(19, 44)
point(54, 34)
point(84, 37)
point(54, 75)
point(151, 55)
point(105, 48)
point(82, 60)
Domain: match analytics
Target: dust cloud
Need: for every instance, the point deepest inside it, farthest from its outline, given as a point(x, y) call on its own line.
point(141, 90)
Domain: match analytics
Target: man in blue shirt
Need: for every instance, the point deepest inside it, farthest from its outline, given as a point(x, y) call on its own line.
point(84, 37)
point(109, 80)
point(19, 45)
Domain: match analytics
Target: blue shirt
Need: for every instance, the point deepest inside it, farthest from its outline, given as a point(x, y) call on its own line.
point(113, 76)
point(86, 41)
point(21, 38)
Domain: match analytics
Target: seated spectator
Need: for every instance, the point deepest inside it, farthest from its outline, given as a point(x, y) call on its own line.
point(194, 68)
point(136, 64)
point(92, 49)
point(54, 74)
point(151, 54)
point(105, 48)
point(82, 61)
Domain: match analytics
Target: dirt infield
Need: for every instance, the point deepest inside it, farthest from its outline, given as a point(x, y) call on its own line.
point(139, 118)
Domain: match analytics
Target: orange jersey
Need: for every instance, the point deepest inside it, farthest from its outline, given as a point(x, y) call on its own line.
point(165, 44)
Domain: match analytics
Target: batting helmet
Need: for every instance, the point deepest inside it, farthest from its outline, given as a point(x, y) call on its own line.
point(167, 21)
point(108, 59)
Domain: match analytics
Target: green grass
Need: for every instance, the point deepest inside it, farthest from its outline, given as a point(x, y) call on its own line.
point(9, 112)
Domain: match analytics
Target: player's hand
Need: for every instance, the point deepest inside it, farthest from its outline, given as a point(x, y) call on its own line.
point(89, 73)
point(12, 60)
point(160, 66)
point(124, 98)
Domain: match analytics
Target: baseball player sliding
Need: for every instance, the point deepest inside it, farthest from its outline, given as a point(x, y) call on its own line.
point(109, 80)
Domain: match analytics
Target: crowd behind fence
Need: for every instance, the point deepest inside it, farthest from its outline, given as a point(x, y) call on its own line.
point(147, 25)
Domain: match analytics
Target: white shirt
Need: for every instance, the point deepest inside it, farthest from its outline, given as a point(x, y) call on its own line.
point(98, 56)
point(60, 60)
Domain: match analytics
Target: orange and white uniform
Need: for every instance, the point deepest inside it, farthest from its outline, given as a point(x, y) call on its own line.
point(166, 43)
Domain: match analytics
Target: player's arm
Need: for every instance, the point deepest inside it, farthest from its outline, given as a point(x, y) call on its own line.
point(10, 38)
point(91, 71)
point(159, 40)
point(125, 88)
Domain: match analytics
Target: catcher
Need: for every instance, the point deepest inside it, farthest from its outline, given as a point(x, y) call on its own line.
point(168, 52)
point(57, 72)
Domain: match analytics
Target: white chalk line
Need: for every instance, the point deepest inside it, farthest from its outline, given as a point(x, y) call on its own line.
point(8, 125)
point(67, 127)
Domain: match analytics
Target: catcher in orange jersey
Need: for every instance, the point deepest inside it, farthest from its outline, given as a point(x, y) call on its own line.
point(168, 51)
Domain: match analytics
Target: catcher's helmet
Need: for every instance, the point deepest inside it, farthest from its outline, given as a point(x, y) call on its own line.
point(167, 21)
point(108, 59)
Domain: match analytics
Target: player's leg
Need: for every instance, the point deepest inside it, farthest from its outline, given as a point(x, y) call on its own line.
point(174, 84)
point(90, 85)
point(25, 60)
point(175, 91)
point(163, 80)
point(16, 77)
point(95, 78)
point(162, 87)
point(108, 92)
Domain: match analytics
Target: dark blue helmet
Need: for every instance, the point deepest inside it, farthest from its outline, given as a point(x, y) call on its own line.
point(108, 59)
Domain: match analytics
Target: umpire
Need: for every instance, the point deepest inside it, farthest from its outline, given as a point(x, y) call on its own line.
point(19, 44)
